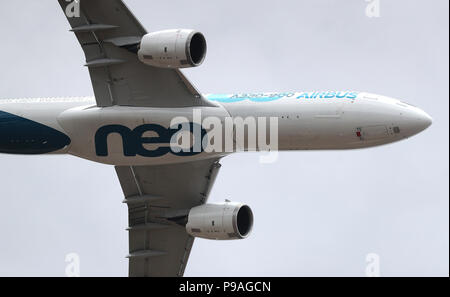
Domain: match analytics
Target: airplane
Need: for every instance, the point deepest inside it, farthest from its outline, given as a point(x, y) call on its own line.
point(166, 139)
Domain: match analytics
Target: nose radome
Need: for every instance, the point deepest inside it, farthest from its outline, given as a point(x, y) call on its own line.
point(424, 119)
point(418, 121)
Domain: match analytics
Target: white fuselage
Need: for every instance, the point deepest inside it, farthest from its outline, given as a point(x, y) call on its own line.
point(121, 135)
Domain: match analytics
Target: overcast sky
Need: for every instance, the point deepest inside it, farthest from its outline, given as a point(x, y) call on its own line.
point(316, 213)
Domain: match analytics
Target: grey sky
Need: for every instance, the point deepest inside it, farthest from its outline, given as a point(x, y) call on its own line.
point(317, 213)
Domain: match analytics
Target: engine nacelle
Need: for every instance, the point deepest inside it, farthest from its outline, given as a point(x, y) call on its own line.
point(173, 49)
point(222, 221)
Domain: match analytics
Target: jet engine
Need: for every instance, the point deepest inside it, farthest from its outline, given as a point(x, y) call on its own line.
point(180, 48)
point(222, 221)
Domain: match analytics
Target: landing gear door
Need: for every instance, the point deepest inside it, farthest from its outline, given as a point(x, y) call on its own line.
point(373, 132)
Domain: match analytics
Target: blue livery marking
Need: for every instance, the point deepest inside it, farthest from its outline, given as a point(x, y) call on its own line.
point(134, 142)
point(25, 137)
point(328, 95)
point(262, 97)
point(269, 97)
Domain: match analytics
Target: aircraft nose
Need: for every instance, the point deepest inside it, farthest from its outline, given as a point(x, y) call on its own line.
point(417, 121)
point(426, 119)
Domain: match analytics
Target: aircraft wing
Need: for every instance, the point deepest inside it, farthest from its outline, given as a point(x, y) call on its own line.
point(158, 199)
point(109, 35)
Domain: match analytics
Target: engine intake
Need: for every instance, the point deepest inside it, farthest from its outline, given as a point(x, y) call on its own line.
point(222, 221)
point(173, 49)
